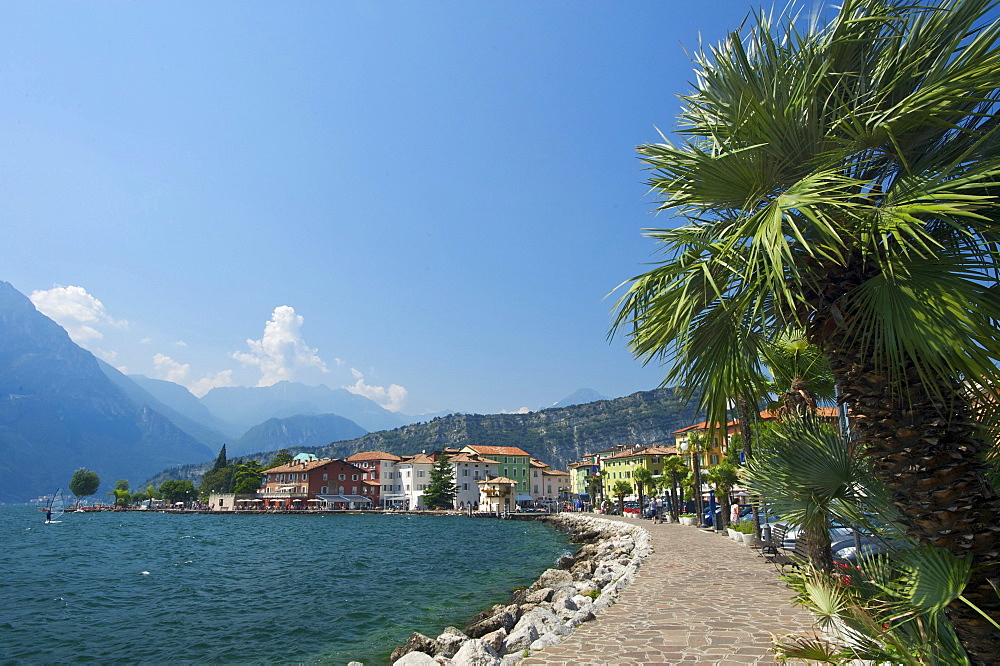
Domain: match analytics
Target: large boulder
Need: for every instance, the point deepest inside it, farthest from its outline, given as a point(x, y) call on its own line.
point(416, 659)
point(417, 642)
point(449, 642)
point(553, 578)
point(495, 639)
point(476, 652)
point(520, 639)
point(505, 619)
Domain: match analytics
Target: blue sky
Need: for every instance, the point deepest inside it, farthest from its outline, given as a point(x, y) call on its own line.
point(427, 202)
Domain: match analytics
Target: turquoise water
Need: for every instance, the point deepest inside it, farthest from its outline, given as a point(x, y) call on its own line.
point(154, 588)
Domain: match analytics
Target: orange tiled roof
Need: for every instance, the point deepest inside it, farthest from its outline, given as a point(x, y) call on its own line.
point(498, 450)
point(471, 458)
point(648, 451)
point(554, 472)
point(420, 458)
point(502, 480)
point(535, 462)
point(301, 467)
point(373, 455)
point(822, 412)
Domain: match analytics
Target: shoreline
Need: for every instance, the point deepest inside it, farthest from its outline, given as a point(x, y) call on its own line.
point(543, 614)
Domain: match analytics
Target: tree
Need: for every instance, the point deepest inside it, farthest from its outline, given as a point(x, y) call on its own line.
point(282, 457)
point(620, 490)
point(674, 468)
point(84, 482)
point(247, 478)
point(643, 479)
point(219, 479)
point(121, 493)
point(176, 491)
point(724, 478)
point(838, 178)
point(697, 444)
point(441, 490)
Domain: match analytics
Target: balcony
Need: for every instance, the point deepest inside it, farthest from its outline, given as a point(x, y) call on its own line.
point(283, 494)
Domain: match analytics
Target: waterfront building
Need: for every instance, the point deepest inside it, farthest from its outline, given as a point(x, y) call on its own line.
point(621, 466)
point(414, 475)
point(555, 486)
point(469, 469)
point(513, 463)
point(498, 495)
point(718, 444)
point(381, 468)
point(311, 483)
point(536, 488)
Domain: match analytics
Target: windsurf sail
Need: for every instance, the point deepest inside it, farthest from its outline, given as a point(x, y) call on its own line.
point(56, 506)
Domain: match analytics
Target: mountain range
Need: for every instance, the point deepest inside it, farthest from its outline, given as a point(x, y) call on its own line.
point(61, 409)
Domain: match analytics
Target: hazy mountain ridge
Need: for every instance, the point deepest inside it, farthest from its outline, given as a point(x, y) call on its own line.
point(59, 411)
point(246, 407)
point(558, 435)
point(296, 431)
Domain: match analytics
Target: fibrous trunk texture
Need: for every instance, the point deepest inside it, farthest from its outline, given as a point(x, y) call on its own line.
point(923, 445)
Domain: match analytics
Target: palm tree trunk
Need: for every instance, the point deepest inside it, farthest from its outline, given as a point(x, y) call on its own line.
point(743, 416)
point(923, 445)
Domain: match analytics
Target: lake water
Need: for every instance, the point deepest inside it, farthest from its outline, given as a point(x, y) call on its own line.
point(142, 587)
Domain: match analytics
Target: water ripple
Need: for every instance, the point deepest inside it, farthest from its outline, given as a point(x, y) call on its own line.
point(153, 588)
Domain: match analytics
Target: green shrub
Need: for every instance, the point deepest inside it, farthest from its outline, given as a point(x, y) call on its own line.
point(743, 526)
point(688, 515)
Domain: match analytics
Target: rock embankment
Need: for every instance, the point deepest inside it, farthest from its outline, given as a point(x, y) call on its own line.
point(585, 583)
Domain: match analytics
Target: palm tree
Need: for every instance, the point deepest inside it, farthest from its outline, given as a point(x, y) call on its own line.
point(810, 478)
point(620, 490)
point(697, 444)
point(673, 468)
point(838, 178)
point(724, 478)
point(643, 479)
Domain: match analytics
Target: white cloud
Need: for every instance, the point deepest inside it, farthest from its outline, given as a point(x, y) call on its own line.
point(281, 351)
point(76, 311)
point(522, 410)
point(169, 369)
point(391, 398)
point(209, 382)
point(181, 343)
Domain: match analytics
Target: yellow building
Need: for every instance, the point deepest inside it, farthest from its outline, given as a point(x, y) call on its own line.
point(621, 466)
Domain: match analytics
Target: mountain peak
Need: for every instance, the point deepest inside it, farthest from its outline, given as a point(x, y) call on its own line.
point(580, 397)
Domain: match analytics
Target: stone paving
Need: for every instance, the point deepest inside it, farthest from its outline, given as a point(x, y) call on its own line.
point(700, 598)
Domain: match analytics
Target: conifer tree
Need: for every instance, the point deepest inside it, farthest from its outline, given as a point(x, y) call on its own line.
point(441, 491)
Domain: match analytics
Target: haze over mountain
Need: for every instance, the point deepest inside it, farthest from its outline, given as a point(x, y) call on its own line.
point(184, 402)
point(295, 431)
point(245, 406)
point(60, 411)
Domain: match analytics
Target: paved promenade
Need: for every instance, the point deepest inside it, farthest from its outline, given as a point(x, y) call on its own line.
point(700, 598)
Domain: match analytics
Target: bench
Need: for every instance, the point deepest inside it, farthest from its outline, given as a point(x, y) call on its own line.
point(773, 548)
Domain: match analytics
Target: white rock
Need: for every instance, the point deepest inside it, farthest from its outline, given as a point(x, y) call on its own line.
point(416, 659)
point(476, 652)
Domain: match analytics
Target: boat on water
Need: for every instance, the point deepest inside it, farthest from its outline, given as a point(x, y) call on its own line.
point(55, 508)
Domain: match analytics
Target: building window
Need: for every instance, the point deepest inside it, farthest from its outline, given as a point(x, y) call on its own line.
point(354, 490)
point(341, 477)
point(324, 477)
point(420, 473)
point(465, 486)
point(465, 471)
point(354, 477)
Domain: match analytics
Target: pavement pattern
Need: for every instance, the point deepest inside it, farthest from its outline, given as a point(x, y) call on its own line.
point(700, 598)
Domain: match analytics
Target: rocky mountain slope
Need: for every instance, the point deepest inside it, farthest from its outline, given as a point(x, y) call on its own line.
point(59, 411)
